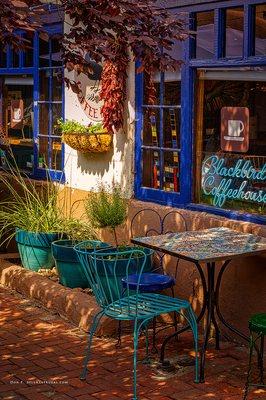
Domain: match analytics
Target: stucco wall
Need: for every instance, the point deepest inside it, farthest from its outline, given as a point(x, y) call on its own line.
point(243, 290)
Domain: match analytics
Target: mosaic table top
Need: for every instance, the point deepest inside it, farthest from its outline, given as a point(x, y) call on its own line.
point(214, 244)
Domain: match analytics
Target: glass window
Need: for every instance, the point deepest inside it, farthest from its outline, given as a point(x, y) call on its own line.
point(161, 132)
point(50, 103)
point(260, 29)
point(28, 55)
point(234, 20)
point(205, 34)
point(2, 57)
point(230, 164)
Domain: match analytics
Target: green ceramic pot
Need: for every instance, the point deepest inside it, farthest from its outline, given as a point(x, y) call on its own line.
point(69, 269)
point(35, 249)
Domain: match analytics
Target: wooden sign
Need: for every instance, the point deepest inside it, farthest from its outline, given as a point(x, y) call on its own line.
point(235, 129)
point(17, 114)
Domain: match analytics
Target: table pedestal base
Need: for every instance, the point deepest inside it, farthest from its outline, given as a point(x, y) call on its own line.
point(211, 307)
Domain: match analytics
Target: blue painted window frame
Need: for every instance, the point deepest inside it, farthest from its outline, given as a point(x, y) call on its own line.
point(188, 79)
point(34, 70)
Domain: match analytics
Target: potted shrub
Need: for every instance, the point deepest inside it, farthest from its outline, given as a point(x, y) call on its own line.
point(91, 138)
point(33, 213)
point(70, 270)
point(108, 208)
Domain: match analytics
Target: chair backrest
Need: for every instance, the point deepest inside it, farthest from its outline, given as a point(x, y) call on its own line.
point(105, 269)
point(173, 221)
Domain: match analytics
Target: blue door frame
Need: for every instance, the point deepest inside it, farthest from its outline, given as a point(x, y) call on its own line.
point(38, 173)
point(184, 199)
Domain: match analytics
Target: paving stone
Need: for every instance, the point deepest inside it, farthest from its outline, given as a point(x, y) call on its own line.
point(42, 358)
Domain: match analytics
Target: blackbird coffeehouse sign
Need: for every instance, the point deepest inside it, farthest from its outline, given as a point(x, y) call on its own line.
point(233, 179)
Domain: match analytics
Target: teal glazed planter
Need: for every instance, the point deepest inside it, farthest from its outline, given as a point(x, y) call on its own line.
point(70, 270)
point(105, 270)
point(35, 249)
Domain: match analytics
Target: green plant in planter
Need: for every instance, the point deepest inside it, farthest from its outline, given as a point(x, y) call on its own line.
point(33, 212)
point(107, 208)
point(70, 126)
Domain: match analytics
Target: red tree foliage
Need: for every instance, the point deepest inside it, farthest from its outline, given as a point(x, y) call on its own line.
point(109, 32)
point(18, 14)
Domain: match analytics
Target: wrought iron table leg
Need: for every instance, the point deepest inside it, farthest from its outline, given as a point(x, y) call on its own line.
point(210, 312)
point(199, 318)
point(218, 311)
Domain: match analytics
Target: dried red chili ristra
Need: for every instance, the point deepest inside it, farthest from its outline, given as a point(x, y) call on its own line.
point(113, 93)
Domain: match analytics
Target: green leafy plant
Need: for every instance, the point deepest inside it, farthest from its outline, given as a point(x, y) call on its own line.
point(107, 208)
point(36, 207)
point(69, 127)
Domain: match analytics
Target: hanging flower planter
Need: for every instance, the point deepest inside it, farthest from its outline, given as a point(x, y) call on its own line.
point(89, 143)
point(86, 139)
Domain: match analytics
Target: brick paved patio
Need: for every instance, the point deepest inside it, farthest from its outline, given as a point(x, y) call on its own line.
point(41, 357)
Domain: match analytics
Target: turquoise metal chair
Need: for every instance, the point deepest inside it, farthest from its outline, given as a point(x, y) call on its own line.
point(138, 307)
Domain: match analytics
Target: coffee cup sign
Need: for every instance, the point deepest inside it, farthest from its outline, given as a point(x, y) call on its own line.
point(235, 129)
point(17, 114)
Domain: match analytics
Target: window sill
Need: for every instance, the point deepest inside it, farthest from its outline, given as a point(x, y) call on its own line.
point(231, 214)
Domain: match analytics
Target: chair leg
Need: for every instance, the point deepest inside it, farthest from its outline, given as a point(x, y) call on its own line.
point(136, 337)
point(251, 347)
point(190, 317)
point(93, 329)
point(261, 366)
point(175, 316)
point(154, 349)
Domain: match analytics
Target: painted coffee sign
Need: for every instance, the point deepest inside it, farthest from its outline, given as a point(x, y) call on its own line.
point(89, 94)
point(235, 129)
point(17, 114)
point(233, 179)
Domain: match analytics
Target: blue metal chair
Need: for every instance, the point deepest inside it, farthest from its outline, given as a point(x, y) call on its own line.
point(135, 306)
point(157, 281)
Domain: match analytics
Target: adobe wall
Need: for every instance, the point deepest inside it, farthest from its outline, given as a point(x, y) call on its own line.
point(243, 290)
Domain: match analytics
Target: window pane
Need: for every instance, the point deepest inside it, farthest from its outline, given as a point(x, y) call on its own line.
point(172, 91)
point(56, 154)
point(57, 114)
point(151, 127)
point(44, 51)
point(171, 171)
point(260, 29)
point(234, 32)
point(151, 169)
point(43, 158)
point(56, 52)
point(205, 35)
point(15, 59)
point(2, 57)
point(29, 50)
point(44, 85)
point(44, 119)
point(156, 80)
point(57, 84)
point(171, 127)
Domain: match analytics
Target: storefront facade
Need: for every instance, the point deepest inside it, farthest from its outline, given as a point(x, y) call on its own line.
point(201, 149)
point(188, 152)
point(32, 100)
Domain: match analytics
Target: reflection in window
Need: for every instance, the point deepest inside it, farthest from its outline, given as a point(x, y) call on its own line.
point(243, 89)
point(260, 29)
point(234, 18)
point(161, 132)
point(151, 168)
point(205, 35)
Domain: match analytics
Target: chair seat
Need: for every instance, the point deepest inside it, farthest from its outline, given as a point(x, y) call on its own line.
point(144, 306)
point(257, 323)
point(149, 282)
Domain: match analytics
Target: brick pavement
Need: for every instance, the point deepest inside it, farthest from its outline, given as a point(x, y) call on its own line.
point(41, 358)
